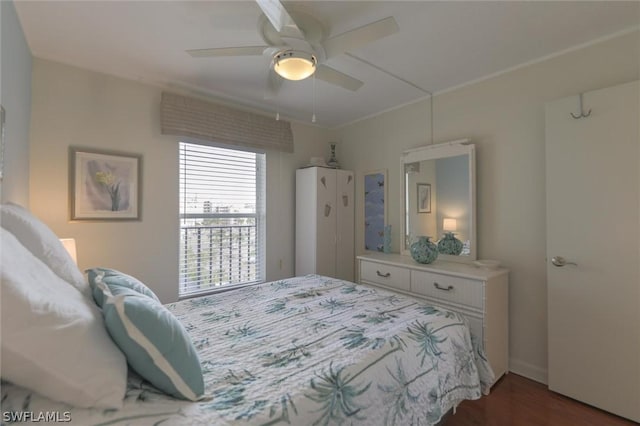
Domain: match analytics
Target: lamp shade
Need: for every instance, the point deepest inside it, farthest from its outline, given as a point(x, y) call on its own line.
point(449, 225)
point(294, 65)
point(70, 245)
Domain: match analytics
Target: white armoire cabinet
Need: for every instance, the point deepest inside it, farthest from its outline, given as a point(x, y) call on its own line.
point(325, 214)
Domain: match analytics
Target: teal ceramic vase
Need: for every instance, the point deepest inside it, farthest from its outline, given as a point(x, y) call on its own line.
point(386, 242)
point(423, 250)
point(449, 244)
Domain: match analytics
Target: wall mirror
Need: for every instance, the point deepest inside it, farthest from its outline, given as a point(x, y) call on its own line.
point(439, 197)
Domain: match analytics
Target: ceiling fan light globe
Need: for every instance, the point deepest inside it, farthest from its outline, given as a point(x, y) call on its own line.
point(294, 66)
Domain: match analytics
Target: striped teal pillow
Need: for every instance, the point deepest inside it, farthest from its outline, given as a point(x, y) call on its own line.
point(154, 342)
point(117, 282)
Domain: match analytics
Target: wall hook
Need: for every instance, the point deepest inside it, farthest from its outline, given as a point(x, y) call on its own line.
point(582, 114)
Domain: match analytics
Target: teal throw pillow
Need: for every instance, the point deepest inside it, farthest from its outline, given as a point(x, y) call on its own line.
point(154, 342)
point(117, 282)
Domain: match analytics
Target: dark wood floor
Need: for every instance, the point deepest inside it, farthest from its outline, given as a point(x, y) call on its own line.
point(517, 401)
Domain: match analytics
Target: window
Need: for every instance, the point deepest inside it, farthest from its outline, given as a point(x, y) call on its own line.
point(221, 218)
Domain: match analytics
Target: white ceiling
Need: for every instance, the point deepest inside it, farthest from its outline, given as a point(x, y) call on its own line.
point(440, 45)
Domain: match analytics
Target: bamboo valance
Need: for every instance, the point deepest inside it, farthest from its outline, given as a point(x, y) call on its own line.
point(183, 116)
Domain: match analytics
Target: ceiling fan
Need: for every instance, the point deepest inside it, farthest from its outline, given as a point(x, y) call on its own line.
point(297, 46)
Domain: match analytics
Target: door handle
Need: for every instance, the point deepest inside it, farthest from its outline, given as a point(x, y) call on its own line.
point(380, 274)
point(560, 261)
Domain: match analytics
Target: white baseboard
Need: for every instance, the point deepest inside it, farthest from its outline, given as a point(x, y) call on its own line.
point(527, 370)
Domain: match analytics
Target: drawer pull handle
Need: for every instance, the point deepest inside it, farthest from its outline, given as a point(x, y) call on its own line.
point(439, 287)
point(380, 274)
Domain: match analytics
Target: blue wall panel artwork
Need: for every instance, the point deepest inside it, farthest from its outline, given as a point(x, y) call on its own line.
point(374, 217)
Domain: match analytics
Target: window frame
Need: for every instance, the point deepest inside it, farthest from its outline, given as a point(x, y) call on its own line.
point(259, 216)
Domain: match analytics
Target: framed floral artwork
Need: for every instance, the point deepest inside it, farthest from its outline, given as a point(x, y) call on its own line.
point(104, 185)
point(424, 198)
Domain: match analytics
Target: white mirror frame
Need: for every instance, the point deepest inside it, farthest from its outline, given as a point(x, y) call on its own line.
point(432, 152)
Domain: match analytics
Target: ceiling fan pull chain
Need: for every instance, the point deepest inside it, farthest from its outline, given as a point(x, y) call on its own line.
point(313, 117)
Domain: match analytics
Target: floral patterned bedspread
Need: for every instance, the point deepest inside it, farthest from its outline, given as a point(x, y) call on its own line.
point(306, 351)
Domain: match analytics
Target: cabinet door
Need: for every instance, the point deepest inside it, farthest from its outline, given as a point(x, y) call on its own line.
point(326, 222)
point(345, 207)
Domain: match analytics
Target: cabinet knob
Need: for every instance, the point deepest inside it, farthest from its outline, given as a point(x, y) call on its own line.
point(380, 274)
point(439, 287)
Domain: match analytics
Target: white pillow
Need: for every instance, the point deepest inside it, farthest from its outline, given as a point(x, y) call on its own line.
point(43, 243)
point(54, 340)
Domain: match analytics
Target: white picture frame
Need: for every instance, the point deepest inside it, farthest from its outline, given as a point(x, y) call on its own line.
point(104, 185)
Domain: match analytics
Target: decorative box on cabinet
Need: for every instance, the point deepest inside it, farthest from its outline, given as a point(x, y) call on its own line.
point(325, 217)
point(480, 295)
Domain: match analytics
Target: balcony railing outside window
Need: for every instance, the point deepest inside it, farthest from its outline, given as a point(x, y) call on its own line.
point(216, 255)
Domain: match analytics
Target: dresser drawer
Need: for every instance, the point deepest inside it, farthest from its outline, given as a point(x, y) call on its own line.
point(444, 287)
point(386, 275)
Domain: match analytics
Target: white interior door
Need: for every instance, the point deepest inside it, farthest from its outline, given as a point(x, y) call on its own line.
point(593, 193)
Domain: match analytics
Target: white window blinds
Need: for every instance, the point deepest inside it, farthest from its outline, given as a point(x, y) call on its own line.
point(221, 217)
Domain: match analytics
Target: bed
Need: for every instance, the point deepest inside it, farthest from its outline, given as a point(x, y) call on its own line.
point(307, 350)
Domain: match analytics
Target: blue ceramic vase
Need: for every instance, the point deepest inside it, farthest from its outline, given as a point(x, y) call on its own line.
point(423, 250)
point(450, 244)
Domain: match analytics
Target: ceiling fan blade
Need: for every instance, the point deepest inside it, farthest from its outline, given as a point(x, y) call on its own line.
point(270, 52)
point(280, 18)
point(337, 78)
point(227, 51)
point(358, 37)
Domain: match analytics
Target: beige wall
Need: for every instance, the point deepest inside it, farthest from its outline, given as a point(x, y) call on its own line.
point(504, 117)
point(15, 97)
point(76, 107)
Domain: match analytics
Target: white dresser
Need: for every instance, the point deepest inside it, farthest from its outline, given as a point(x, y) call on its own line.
point(481, 295)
